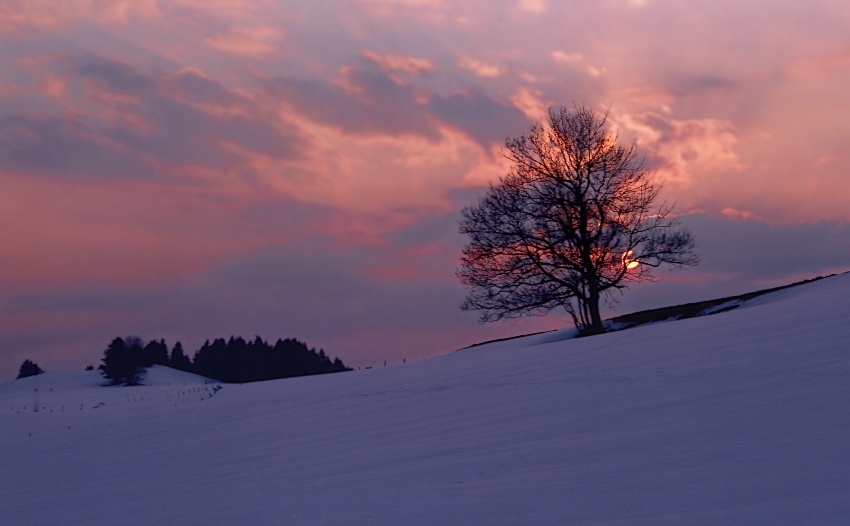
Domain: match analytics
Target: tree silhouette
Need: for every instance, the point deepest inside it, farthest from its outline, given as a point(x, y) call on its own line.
point(237, 360)
point(574, 220)
point(178, 359)
point(29, 368)
point(121, 361)
point(154, 353)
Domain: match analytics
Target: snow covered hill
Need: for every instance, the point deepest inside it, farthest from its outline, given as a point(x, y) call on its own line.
point(741, 417)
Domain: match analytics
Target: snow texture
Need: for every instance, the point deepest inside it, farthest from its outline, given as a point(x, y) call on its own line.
point(741, 417)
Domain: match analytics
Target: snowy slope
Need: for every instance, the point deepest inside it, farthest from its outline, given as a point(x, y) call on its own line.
point(741, 417)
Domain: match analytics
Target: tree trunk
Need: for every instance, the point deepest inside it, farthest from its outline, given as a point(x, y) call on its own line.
point(595, 326)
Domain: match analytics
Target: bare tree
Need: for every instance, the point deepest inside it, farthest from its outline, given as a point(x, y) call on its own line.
point(574, 220)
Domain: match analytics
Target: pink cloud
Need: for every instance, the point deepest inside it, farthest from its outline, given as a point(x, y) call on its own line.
point(741, 215)
point(369, 173)
point(821, 64)
point(54, 86)
point(530, 102)
point(17, 14)
point(399, 62)
point(409, 4)
point(688, 149)
point(533, 6)
point(480, 68)
point(566, 58)
point(254, 42)
point(419, 263)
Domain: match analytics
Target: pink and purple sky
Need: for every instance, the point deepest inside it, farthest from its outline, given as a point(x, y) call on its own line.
point(192, 169)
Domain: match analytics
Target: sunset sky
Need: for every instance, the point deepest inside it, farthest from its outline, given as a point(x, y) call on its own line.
point(192, 169)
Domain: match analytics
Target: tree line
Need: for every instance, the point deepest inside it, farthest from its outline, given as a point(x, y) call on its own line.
point(234, 360)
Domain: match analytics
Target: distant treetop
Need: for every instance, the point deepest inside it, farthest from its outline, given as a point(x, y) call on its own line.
point(29, 368)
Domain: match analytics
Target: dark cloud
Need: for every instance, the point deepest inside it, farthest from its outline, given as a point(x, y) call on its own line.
point(176, 128)
point(660, 124)
point(374, 103)
point(478, 115)
point(440, 228)
point(191, 85)
point(114, 76)
point(744, 256)
point(755, 250)
point(91, 297)
point(62, 146)
point(691, 85)
point(186, 134)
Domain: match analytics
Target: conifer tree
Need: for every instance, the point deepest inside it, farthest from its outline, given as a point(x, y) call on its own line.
point(120, 362)
point(29, 368)
point(178, 359)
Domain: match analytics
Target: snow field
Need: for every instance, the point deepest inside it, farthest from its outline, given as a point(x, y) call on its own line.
point(737, 418)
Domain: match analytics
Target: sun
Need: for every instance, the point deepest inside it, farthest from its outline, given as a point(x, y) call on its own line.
point(630, 264)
